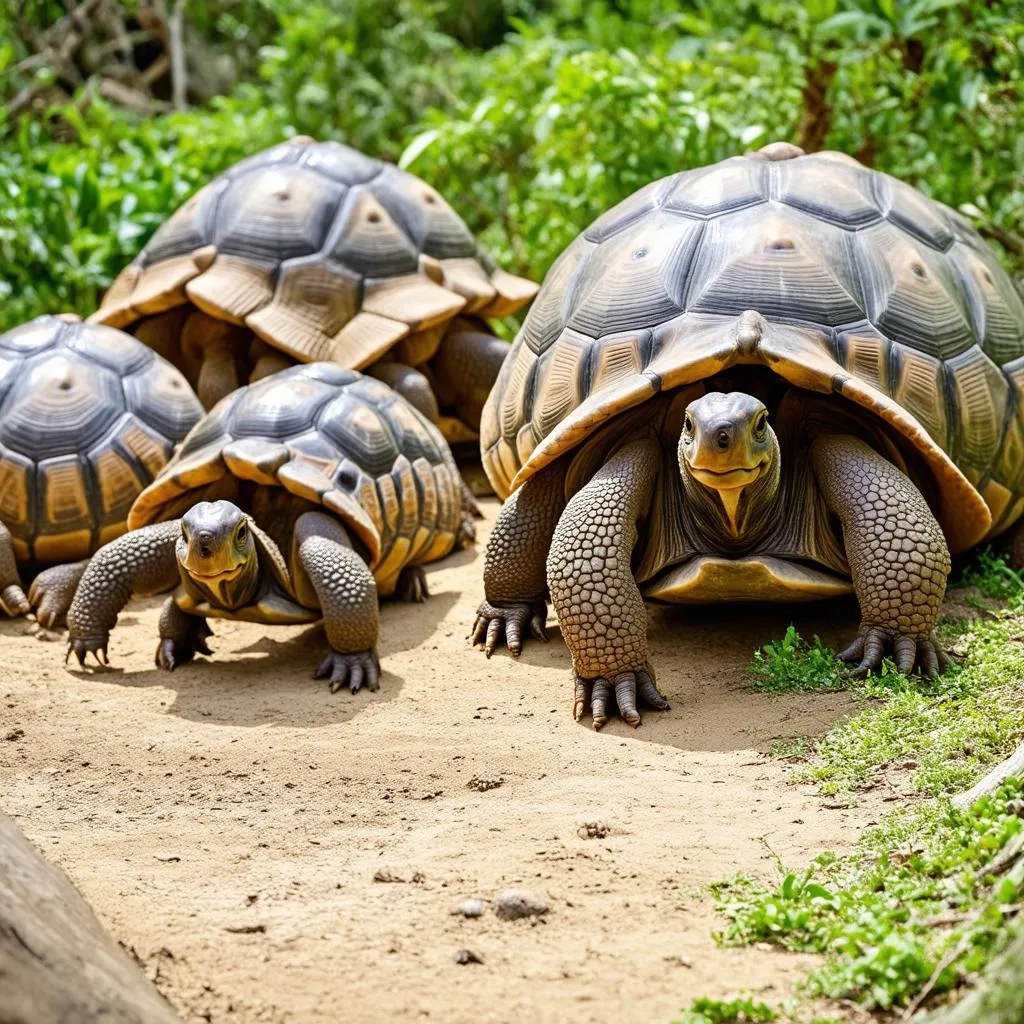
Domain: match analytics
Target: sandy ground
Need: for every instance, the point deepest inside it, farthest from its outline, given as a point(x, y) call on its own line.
point(227, 821)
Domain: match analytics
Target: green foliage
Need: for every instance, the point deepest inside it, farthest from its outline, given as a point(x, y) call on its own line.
point(991, 574)
point(891, 918)
point(531, 116)
point(72, 216)
point(944, 731)
point(741, 1010)
point(791, 664)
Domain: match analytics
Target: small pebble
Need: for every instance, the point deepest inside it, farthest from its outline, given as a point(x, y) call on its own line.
point(513, 904)
point(467, 956)
point(471, 908)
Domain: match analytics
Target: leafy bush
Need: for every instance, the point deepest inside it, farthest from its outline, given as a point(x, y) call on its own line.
point(531, 116)
point(793, 664)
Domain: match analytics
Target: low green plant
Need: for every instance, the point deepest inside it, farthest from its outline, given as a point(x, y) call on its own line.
point(793, 664)
point(893, 916)
point(992, 575)
point(741, 1010)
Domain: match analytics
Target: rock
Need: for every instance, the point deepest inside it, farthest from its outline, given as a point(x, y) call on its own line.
point(470, 908)
point(480, 785)
point(593, 830)
point(513, 904)
point(467, 956)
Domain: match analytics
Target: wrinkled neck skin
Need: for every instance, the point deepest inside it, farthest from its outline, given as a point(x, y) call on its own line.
point(734, 519)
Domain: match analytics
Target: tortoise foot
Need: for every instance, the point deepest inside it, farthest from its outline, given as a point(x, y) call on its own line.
point(873, 643)
point(13, 601)
point(510, 619)
point(354, 670)
point(81, 646)
point(622, 692)
point(180, 650)
point(52, 592)
point(412, 585)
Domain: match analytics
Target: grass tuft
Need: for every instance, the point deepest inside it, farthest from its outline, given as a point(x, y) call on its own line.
point(892, 917)
point(742, 1010)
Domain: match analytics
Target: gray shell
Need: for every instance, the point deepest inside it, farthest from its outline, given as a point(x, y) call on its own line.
point(88, 417)
point(838, 278)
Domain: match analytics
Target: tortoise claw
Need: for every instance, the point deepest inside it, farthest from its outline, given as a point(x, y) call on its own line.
point(361, 668)
point(624, 691)
point(872, 643)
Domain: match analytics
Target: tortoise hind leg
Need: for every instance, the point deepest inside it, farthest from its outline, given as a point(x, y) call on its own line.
point(53, 590)
point(412, 385)
point(514, 582)
point(13, 601)
point(600, 608)
point(468, 362)
point(347, 595)
point(898, 556)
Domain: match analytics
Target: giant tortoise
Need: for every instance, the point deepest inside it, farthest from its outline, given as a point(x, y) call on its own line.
point(296, 499)
point(88, 417)
point(312, 251)
point(783, 377)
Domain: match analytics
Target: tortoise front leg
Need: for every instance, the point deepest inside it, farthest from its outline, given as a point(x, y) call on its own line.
point(898, 556)
point(182, 636)
point(13, 601)
point(140, 562)
point(53, 590)
point(600, 609)
point(347, 594)
point(514, 581)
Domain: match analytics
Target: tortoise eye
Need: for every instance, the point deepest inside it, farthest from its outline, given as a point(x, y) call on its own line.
point(184, 532)
point(761, 424)
point(688, 424)
point(243, 532)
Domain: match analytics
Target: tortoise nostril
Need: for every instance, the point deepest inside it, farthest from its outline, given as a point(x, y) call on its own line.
point(722, 438)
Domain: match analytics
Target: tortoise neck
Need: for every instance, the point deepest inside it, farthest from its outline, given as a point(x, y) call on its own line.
point(229, 591)
point(735, 518)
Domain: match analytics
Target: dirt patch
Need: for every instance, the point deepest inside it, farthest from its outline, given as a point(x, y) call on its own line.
point(228, 821)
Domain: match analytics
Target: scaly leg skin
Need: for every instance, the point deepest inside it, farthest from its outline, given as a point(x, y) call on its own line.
point(600, 609)
point(140, 562)
point(53, 590)
point(13, 601)
point(514, 581)
point(347, 594)
point(898, 556)
point(412, 585)
point(182, 636)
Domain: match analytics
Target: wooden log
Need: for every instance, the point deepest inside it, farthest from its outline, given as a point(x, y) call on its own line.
point(1013, 765)
point(57, 963)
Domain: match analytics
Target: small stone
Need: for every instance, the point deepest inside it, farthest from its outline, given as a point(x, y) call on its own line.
point(467, 956)
point(593, 830)
point(513, 904)
point(480, 785)
point(470, 908)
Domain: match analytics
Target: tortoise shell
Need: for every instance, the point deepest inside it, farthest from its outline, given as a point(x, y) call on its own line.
point(88, 417)
point(838, 278)
point(337, 439)
point(322, 252)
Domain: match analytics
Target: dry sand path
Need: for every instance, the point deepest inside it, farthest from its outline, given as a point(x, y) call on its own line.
point(227, 821)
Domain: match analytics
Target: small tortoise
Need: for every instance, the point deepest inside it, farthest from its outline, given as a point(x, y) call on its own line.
point(296, 499)
point(313, 251)
point(88, 417)
point(632, 420)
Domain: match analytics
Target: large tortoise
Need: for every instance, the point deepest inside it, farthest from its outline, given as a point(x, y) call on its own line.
point(871, 325)
point(312, 251)
point(298, 498)
point(88, 417)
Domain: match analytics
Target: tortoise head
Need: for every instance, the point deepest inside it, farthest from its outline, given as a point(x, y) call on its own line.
point(730, 461)
point(217, 554)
